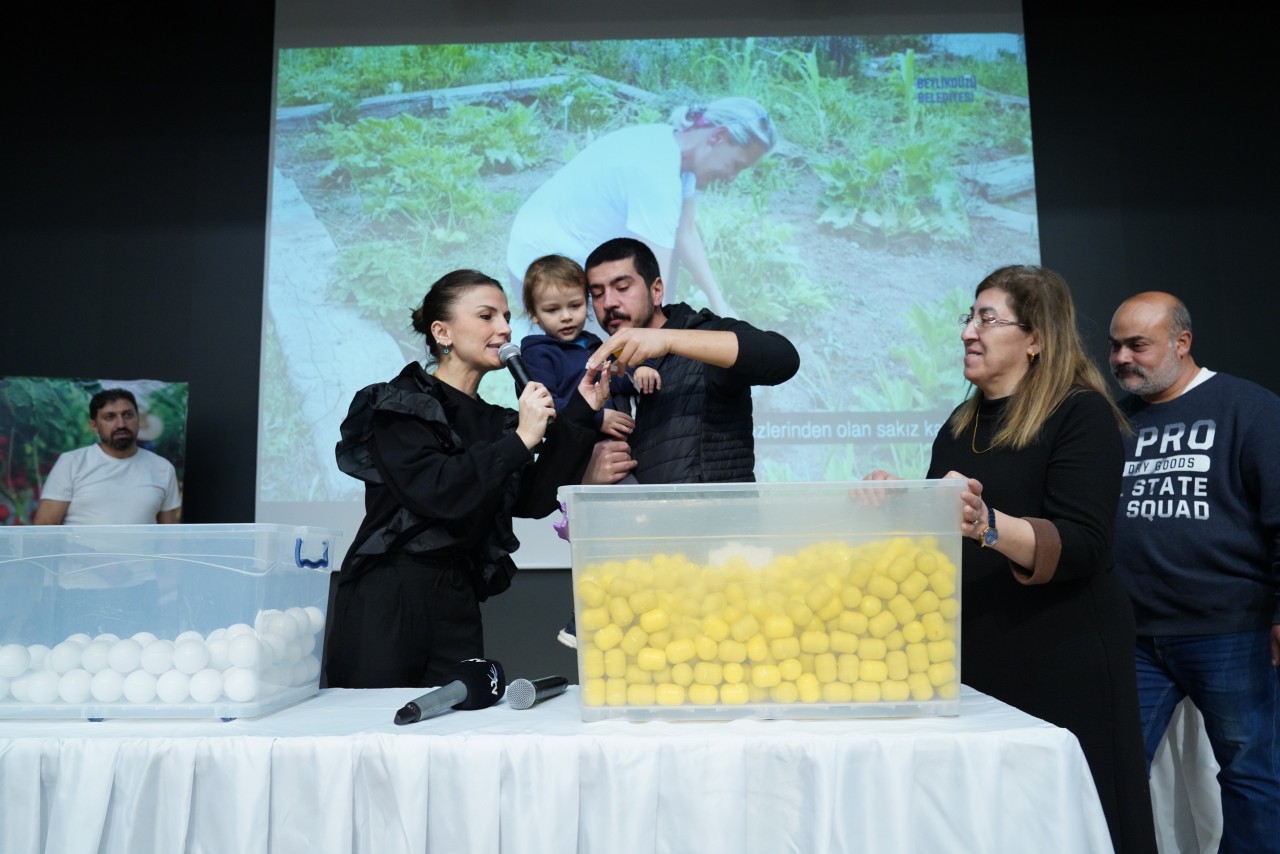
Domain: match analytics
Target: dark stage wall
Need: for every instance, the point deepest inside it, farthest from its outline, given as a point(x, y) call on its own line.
point(135, 181)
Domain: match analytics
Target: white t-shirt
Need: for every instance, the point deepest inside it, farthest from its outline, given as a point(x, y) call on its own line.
point(103, 490)
point(625, 184)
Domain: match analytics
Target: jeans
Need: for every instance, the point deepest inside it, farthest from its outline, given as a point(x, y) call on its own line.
point(1231, 680)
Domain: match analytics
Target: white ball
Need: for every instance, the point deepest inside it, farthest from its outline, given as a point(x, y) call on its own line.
point(239, 629)
point(74, 686)
point(81, 638)
point(273, 647)
point(107, 638)
point(4, 687)
point(310, 668)
point(139, 687)
point(190, 656)
point(219, 652)
point(39, 652)
point(307, 643)
point(65, 656)
point(316, 617)
point(300, 617)
point(126, 656)
point(144, 638)
point(215, 634)
point(260, 621)
point(245, 651)
point(283, 625)
point(240, 685)
point(42, 687)
point(188, 635)
point(95, 656)
point(18, 688)
point(206, 686)
point(14, 660)
point(107, 686)
point(173, 686)
point(157, 657)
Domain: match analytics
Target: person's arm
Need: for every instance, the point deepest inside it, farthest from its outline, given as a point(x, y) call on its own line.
point(692, 254)
point(633, 346)
point(50, 512)
point(168, 517)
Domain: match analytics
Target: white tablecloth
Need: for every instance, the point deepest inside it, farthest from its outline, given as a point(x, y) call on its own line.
point(334, 774)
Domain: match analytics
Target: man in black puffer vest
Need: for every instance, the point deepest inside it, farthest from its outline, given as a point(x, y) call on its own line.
point(697, 427)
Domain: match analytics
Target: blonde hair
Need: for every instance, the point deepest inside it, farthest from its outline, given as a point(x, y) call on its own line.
point(744, 119)
point(1040, 298)
point(551, 270)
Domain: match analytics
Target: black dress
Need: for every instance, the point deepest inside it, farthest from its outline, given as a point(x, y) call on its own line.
point(1061, 650)
point(444, 473)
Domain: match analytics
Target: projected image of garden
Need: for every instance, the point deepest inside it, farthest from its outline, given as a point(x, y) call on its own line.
point(902, 175)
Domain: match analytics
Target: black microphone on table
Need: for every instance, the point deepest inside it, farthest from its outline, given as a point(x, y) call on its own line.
point(523, 693)
point(509, 355)
point(476, 683)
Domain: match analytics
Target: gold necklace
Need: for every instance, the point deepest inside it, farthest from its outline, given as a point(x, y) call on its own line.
point(973, 441)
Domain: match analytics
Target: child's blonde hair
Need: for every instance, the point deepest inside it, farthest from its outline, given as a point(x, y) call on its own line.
point(552, 270)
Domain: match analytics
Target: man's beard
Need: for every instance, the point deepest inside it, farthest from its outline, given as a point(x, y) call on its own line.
point(1136, 380)
point(121, 441)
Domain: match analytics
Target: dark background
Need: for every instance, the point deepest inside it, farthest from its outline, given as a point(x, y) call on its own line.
point(135, 175)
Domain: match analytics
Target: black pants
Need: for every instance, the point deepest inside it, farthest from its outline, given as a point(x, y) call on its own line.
point(404, 623)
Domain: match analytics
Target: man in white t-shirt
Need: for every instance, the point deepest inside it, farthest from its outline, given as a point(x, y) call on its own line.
point(112, 482)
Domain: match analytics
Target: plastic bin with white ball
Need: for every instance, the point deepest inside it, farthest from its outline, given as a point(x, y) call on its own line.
point(111, 621)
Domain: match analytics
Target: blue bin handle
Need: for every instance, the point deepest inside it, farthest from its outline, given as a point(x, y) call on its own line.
point(322, 562)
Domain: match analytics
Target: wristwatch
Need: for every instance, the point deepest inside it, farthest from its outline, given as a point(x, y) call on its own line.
point(990, 536)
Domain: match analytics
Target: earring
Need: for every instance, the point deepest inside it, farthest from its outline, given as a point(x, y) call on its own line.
point(1032, 357)
point(444, 348)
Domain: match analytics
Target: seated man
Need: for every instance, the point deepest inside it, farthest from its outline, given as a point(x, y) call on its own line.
point(112, 482)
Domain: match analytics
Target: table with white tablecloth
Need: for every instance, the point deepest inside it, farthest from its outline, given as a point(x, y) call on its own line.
point(334, 774)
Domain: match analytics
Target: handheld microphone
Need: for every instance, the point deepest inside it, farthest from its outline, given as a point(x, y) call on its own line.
point(476, 683)
point(509, 355)
point(523, 693)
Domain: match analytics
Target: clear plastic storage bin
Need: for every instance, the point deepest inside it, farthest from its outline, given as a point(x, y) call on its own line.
point(715, 601)
point(161, 620)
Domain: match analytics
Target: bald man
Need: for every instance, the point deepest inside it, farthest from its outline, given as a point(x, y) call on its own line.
point(1197, 544)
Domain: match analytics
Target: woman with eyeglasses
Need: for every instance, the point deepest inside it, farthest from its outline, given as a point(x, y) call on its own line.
point(1045, 626)
point(643, 182)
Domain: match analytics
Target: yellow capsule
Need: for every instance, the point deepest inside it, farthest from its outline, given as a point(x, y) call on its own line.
point(660, 639)
point(593, 692)
point(837, 692)
point(894, 640)
point(825, 668)
point(682, 674)
point(926, 602)
point(808, 687)
point(790, 669)
point(591, 594)
point(637, 675)
point(896, 665)
point(800, 613)
point(853, 622)
point(634, 640)
point(735, 695)
point(784, 692)
point(592, 619)
point(669, 694)
point(935, 627)
point(608, 637)
point(872, 648)
point(881, 624)
point(921, 687)
point(757, 648)
point(707, 648)
point(622, 587)
point(843, 641)
point(917, 657)
point(641, 695)
point(870, 605)
point(592, 663)
point(850, 596)
point(732, 650)
point(734, 673)
point(714, 627)
point(818, 596)
point(708, 673)
point(860, 572)
point(943, 584)
point(704, 695)
point(620, 612)
point(913, 631)
point(615, 663)
point(744, 628)
point(949, 690)
point(651, 659)
point(655, 620)
point(847, 668)
point(941, 673)
point(927, 561)
point(866, 692)
point(914, 584)
point(680, 650)
point(901, 608)
point(901, 566)
point(873, 671)
point(615, 692)
point(882, 586)
point(949, 608)
point(765, 675)
point(894, 691)
point(778, 626)
point(788, 647)
point(830, 611)
point(815, 641)
point(643, 600)
point(943, 650)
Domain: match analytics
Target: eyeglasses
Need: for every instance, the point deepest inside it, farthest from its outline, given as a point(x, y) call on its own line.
point(986, 320)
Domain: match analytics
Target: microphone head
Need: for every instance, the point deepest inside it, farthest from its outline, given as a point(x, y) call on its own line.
point(484, 679)
point(508, 351)
point(521, 694)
